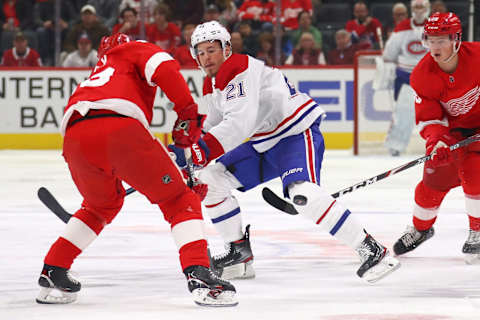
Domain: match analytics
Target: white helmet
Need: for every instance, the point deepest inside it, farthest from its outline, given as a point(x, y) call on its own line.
point(421, 14)
point(209, 31)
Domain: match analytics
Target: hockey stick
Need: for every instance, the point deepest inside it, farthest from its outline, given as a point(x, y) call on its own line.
point(51, 203)
point(277, 202)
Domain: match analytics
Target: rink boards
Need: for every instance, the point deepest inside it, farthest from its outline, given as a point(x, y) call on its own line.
point(32, 102)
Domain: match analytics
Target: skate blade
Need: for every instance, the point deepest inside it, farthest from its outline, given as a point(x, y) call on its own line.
point(239, 271)
point(203, 298)
point(472, 258)
point(386, 266)
point(55, 296)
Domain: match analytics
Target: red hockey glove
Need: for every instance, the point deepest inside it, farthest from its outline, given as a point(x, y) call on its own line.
point(188, 127)
point(438, 142)
point(198, 187)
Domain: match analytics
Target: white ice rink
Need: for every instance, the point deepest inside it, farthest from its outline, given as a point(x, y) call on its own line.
point(132, 272)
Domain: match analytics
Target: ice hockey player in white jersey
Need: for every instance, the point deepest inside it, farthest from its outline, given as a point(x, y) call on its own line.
point(248, 100)
point(404, 48)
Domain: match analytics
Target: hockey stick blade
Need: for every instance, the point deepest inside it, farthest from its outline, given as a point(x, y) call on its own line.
point(51, 203)
point(279, 203)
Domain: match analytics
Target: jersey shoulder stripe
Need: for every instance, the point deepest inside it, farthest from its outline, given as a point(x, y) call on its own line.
point(403, 25)
point(232, 67)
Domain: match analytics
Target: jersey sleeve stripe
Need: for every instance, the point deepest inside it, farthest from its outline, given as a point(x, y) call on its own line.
point(422, 124)
point(153, 63)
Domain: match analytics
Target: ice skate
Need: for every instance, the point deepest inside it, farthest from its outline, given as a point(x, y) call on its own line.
point(411, 239)
point(471, 248)
point(57, 286)
point(376, 262)
point(208, 289)
point(237, 260)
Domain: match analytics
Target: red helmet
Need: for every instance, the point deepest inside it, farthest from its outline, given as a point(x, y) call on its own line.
point(109, 42)
point(443, 24)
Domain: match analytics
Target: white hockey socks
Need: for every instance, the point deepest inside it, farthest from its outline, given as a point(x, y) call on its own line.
point(326, 212)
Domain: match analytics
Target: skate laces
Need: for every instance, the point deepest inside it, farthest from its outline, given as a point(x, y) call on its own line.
point(473, 237)
point(72, 278)
point(410, 236)
point(228, 249)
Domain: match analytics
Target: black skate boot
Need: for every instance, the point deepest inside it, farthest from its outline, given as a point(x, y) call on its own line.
point(411, 239)
point(208, 289)
point(376, 262)
point(59, 279)
point(236, 262)
point(471, 248)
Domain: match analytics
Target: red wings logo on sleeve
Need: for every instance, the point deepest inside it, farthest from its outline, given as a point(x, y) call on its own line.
point(462, 105)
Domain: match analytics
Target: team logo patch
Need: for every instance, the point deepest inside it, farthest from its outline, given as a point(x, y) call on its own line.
point(166, 179)
point(464, 104)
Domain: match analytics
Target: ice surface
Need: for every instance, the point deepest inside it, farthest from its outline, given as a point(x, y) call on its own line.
point(132, 272)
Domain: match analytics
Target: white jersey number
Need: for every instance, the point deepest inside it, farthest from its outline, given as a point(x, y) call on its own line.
point(98, 79)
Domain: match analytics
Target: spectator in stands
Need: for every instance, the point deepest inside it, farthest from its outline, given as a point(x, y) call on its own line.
point(107, 11)
point(344, 52)
point(211, 13)
point(286, 43)
point(399, 13)
point(90, 25)
point(21, 55)
point(290, 11)
point(267, 50)
point(130, 24)
point(237, 43)
point(250, 42)
point(439, 6)
point(186, 11)
point(305, 25)
point(44, 15)
point(163, 33)
point(148, 6)
point(182, 53)
point(14, 16)
point(84, 56)
point(364, 28)
point(306, 53)
point(228, 12)
point(259, 13)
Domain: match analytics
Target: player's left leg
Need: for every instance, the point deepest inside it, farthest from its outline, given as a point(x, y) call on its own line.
point(242, 168)
point(300, 163)
point(470, 177)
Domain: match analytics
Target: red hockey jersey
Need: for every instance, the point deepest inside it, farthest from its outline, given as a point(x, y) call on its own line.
point(124, 81)
point(30, 59)
point(452, 99)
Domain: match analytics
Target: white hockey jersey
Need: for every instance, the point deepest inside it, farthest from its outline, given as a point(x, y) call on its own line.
point(405, 45)
point(248, 100)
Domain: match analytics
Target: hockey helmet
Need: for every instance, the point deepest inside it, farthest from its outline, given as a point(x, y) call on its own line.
point(109, 42)
point(440, 24)
point(209, 31)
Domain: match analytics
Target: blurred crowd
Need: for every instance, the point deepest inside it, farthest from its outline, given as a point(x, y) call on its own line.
point(310, 32)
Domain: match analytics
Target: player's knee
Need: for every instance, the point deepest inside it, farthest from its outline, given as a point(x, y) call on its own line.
point(427, 197)
point(184, 206)
point(94, 220)
point(219, 183)
point(316, 204)
point(469, 173)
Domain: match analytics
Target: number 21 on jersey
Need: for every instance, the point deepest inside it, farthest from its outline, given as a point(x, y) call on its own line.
point(235, 90)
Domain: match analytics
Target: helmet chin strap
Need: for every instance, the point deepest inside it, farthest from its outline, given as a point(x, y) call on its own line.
point(455, 50)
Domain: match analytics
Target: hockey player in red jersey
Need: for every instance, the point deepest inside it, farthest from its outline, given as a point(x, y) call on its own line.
point(447, 108)
point(248, 100)
point(107, 141)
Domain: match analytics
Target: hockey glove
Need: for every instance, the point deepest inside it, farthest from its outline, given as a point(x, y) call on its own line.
point(188, 127)
point(438, 142)
point(200, 153)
